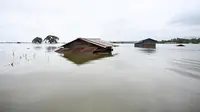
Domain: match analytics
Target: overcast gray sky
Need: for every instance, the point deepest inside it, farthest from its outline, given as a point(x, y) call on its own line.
point(22, 20)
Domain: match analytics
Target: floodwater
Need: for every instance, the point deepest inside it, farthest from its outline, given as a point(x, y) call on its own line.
point(33, 78)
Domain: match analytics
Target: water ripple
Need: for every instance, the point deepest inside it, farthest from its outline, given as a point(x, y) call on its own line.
point(185, 73)
point(186, 67)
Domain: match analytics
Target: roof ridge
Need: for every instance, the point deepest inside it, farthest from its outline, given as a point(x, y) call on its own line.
point(96, 42)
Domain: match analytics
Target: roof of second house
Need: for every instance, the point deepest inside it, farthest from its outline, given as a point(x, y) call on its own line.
point(96, 41)
point(148, 39)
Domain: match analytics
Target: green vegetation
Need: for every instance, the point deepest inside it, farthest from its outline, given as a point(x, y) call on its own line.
point(51, 39)
point(182, 40)
point(37, 40)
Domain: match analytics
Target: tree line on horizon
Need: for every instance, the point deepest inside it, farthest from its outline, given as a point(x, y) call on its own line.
point(54, 39)
point(181, 40)
point(49, 39)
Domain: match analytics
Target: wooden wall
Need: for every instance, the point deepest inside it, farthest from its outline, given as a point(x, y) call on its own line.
point(149, 45)
point(145, 45)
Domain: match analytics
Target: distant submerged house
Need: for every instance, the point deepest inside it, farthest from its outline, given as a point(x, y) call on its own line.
point(147, 43)
point(87, 45)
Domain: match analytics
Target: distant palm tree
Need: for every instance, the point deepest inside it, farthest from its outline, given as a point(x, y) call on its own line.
point(37, 40)
point(51, 39)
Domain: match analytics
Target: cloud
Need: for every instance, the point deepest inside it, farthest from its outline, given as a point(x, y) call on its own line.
point(189, 19)
point(108, 19)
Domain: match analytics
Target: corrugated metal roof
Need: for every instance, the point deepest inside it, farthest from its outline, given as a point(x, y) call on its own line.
point(98, 41)
point(95, 41)
point(148, 39)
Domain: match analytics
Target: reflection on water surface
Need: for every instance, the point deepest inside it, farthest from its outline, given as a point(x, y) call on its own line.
point(147, 50)
point(84, 58)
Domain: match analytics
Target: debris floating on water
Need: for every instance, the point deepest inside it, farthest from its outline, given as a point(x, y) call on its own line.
point(180, 45)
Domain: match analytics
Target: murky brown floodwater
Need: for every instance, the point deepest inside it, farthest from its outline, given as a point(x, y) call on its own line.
point(33, 78)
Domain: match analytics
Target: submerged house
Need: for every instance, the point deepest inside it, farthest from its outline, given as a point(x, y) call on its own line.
point(87, 45)
point(147, 43)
